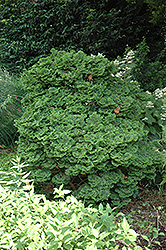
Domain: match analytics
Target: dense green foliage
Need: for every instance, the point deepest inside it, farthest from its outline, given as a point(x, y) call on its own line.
point(155, 114)
point(157, 9)
point(82, 127)
point(151, 74)
point(129, 65)
point(161, 146)
point(29, 29)
point(30, 221)
point(11, 94)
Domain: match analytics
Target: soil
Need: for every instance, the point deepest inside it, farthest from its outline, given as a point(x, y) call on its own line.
point(147, 215)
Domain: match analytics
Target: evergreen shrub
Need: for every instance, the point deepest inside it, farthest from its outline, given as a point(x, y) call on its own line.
point(82, 127)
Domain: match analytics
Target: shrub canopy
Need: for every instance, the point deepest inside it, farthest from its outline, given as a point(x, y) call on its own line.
point(82, 127)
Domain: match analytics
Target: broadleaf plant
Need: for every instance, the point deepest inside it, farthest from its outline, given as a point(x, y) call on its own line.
point(30, 221)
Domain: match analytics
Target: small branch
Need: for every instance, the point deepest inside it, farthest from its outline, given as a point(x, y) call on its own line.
point(122, 241)
point(72, 185)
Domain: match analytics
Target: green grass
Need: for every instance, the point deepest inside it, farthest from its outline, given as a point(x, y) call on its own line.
point(11, 94)
point(6, 156)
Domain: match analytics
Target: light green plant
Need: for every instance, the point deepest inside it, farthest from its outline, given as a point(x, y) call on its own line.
point(30, 221)
point(16, 177)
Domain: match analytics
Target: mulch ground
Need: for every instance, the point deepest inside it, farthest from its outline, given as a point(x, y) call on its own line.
point(149, 214)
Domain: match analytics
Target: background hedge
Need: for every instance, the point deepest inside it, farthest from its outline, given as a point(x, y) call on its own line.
point(29, 29)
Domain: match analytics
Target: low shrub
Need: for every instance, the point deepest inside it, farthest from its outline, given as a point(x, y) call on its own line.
point(82, 127)
point(30, 221)
point(11, 94)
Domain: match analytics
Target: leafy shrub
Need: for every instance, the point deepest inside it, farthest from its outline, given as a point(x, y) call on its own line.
point(154, 113)
point(160, 145)
point(82, 128)
point(29, 29)
point(30, 221)
point(154, 116)
point(11, 94)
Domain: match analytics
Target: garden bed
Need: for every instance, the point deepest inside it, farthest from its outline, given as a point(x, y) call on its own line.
point(147, 214)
